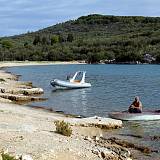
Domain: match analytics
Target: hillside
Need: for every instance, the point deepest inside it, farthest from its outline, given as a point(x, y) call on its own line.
point(92, 38)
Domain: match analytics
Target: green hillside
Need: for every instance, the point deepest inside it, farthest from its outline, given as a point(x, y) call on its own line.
point(92, 38)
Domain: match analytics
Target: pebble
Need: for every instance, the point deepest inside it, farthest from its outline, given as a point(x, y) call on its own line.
point(88, 138)
point(26, 157)
point(97, 138)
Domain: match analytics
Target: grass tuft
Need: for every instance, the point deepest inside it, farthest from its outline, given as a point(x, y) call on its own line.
point(2, 80)
point(6, 156)
point(63, 128)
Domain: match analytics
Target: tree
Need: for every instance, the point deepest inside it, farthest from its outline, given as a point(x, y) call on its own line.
point(54, 39)
point(93, 58)
point(36, 40)
point(70, 37)
point(25, 44)
point(44, 41)
point(7, 44)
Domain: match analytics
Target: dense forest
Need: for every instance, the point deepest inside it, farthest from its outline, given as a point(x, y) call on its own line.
point(93, 38)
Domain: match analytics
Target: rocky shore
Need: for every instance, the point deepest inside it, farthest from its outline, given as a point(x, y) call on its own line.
point(30, 134)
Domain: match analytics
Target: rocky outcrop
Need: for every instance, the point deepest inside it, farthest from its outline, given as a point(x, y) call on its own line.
point(107, 151)
point(99, 122)
point(4, 100)
point(27, 91)
point(13, 90)
point(126, 144)
point(19, 98)
point(112, 152)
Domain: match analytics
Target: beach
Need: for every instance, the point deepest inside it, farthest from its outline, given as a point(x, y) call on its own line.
point(31, 131)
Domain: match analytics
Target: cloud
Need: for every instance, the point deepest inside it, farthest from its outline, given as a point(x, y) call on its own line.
point(20, 16)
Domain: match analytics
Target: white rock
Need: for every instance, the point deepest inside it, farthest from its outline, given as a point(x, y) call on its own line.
point(101, 135)
point(88, 138)
point(26, 157)
point(97, 138)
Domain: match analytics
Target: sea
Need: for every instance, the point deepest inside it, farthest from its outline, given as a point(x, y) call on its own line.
point(113, 89)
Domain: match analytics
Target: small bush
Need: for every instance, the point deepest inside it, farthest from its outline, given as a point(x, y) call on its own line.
point(2, 80)
point(24, 93)
point(63, 128)
point(7, 157)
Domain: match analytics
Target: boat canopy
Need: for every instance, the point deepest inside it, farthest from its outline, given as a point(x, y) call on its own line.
point(76, 74)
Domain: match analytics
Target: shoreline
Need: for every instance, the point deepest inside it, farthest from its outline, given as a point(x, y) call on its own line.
point(28, 130)
point(31, 63)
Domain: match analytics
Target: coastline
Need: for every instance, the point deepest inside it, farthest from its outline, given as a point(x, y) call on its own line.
point(26, 130)
point(30, 63)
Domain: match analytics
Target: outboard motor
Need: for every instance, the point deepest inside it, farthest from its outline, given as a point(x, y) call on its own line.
point(52, 82)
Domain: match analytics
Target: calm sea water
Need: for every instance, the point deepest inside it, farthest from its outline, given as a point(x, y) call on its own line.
point(113, 89)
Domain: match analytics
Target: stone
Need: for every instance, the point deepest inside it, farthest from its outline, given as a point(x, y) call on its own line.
point(97, 152)
point(111, 152)
point(97, 138)
point(5, 151)
point(101, 135)
point(98, 122)
point(88, 138)
point(26, 157)
point(14, 97)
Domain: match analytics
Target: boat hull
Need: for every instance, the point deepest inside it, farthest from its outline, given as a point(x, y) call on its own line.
point(65, 84)
point(145, 116)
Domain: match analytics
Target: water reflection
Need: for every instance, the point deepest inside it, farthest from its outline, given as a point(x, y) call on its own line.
point(135, 128)
point(76, 99)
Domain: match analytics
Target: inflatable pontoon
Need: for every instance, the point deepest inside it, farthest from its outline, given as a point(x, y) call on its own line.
point(72, 83)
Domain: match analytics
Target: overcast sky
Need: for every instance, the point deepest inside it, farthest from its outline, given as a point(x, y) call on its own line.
point(21, 16)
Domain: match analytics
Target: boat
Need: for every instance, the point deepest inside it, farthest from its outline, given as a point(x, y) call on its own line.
point(144, 116)
point(72, 83)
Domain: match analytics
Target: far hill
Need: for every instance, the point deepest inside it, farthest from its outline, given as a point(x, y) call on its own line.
point(92, 38)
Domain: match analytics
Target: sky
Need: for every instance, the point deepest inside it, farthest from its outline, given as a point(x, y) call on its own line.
point(21, 16)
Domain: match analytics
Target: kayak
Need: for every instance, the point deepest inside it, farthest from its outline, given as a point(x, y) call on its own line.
point(144, 116)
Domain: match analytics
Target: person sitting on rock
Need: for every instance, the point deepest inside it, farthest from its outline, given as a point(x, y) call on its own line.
point(136, 106)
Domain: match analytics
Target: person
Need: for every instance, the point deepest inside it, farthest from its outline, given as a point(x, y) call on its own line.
point(136, 106)
point(68, 77)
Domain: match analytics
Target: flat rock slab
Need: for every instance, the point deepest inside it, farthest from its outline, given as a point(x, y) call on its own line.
point(14, 97)
point(99, 122)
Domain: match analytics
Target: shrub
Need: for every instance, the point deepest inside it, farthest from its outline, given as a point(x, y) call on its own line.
point(7, 157)
point(24, 92)
point(63, 128)
point(2, 80)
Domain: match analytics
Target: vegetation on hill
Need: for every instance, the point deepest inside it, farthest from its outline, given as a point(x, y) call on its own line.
point(92, 38)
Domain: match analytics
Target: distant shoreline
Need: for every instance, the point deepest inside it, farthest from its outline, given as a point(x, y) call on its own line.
point(36, 63)
point(30, 63)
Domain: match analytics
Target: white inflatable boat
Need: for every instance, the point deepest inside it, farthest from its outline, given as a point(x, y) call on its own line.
point(144, 116)
point(72, 83)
